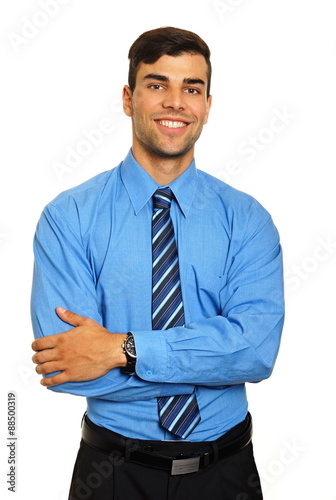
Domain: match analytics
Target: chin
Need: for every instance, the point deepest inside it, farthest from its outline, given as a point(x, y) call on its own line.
point(171, 153)
point(166, 154)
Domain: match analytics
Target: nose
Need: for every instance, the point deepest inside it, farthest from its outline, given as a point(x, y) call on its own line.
point(174, 99)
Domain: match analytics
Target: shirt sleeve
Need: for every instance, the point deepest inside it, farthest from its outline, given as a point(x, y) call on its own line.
point(63, 277)
point(241, 343)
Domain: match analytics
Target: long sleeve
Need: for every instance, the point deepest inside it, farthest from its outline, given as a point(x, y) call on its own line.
point(64, 276)
point(240, 344)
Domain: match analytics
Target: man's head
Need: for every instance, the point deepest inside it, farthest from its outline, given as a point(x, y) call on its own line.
point(168, 99)
point(153, 44)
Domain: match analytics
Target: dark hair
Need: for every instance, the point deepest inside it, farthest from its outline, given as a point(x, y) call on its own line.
point(153, 44)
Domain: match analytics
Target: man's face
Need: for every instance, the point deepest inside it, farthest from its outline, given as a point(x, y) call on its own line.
point(168, 106)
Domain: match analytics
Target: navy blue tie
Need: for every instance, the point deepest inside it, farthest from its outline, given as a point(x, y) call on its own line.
point(179, 414)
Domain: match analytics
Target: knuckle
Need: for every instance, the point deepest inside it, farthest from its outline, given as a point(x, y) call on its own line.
point(62, 338)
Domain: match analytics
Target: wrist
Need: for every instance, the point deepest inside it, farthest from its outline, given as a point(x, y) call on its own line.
point(118, 358)
point(122, 355)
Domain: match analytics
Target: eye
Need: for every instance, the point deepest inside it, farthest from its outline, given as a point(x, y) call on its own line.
point(192, 91)
point(155, 86)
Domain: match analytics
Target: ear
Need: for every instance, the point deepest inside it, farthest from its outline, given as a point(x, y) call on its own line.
point(208, 107)
point(127, 100)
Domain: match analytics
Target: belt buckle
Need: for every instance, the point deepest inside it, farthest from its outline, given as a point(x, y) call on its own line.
point(185, 465)
point(194, 463)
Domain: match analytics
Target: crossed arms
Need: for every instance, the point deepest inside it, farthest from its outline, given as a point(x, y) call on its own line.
point(238, 345)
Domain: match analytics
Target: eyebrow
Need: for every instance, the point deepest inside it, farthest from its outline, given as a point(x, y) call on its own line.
point(162, 78)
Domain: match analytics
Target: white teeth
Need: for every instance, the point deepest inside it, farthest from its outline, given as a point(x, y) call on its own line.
point(170, 124)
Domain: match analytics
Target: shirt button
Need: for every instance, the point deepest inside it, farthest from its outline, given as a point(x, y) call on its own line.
point(149, 373)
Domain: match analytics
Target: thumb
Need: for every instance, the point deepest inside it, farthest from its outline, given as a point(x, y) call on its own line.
point(70, 317)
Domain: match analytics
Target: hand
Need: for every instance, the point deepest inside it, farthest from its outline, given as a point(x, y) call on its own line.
point(83, 353)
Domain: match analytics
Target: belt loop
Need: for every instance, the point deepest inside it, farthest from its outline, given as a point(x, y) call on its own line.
point(128, 449)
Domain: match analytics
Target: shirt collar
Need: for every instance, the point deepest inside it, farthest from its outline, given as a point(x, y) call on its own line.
point(140, 186)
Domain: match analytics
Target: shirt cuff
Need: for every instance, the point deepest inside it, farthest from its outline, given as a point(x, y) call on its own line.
point(152, 355)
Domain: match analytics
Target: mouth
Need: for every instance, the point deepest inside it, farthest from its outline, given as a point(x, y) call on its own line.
point(171, 124)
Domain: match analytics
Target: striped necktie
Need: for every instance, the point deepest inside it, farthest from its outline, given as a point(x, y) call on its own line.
point(179, 414)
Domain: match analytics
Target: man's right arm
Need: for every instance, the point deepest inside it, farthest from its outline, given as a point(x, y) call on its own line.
point(63, 277)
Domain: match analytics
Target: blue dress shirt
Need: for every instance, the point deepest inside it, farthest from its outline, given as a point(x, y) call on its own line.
point(93, 256)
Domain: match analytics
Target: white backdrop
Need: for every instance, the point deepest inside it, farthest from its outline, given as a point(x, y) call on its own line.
point(271, 133)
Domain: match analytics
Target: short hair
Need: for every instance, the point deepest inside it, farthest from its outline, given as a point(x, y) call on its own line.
point(153, 44)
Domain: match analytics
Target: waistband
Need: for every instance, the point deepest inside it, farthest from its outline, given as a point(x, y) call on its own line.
point(175, 457)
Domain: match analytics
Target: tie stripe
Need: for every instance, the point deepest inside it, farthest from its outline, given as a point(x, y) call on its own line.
point(179, 414)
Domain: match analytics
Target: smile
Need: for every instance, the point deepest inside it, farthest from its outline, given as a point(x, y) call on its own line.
point(169, 124)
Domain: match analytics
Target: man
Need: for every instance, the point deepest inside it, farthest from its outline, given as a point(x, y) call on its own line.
point(167, 287)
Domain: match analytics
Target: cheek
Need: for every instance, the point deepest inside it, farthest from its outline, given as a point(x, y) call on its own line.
point(205, 120)
point(144, 100)
point(140, 122)
point(141, 109)
point(200, 111)
point(205, 116)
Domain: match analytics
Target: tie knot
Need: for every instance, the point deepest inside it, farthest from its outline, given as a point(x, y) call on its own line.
point(163, 198)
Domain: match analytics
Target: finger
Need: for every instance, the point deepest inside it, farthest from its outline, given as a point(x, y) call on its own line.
point(45, 342)
point(54, 380)
point(47, 368)
point(45, 356)
point(70, 317)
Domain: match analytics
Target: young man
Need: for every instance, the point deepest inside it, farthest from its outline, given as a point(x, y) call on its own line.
point(167, 287)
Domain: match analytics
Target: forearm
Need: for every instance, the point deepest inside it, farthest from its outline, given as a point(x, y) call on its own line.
point(211, 352)
point(116, 386)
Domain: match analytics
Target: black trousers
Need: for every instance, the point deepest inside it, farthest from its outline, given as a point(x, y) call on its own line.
point(99, 476)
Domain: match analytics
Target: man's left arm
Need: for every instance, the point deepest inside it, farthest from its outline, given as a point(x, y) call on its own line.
point(241, 343)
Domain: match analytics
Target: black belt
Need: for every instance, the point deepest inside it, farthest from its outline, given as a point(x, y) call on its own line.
point(181, 465)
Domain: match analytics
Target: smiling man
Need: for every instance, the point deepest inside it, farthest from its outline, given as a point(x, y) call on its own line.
point(157, 295)
point(168, 112)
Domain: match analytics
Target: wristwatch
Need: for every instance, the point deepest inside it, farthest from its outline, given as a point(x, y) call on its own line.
point(130, 353)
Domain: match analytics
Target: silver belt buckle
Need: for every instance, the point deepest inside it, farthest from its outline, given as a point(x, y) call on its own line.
point(185, 465)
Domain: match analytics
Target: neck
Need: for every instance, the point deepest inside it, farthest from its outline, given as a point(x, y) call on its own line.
point(163, 170)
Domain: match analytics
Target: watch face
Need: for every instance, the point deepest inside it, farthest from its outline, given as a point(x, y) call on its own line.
point(130, 346)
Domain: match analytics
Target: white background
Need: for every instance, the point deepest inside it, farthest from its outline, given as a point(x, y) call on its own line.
point(66, 76)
